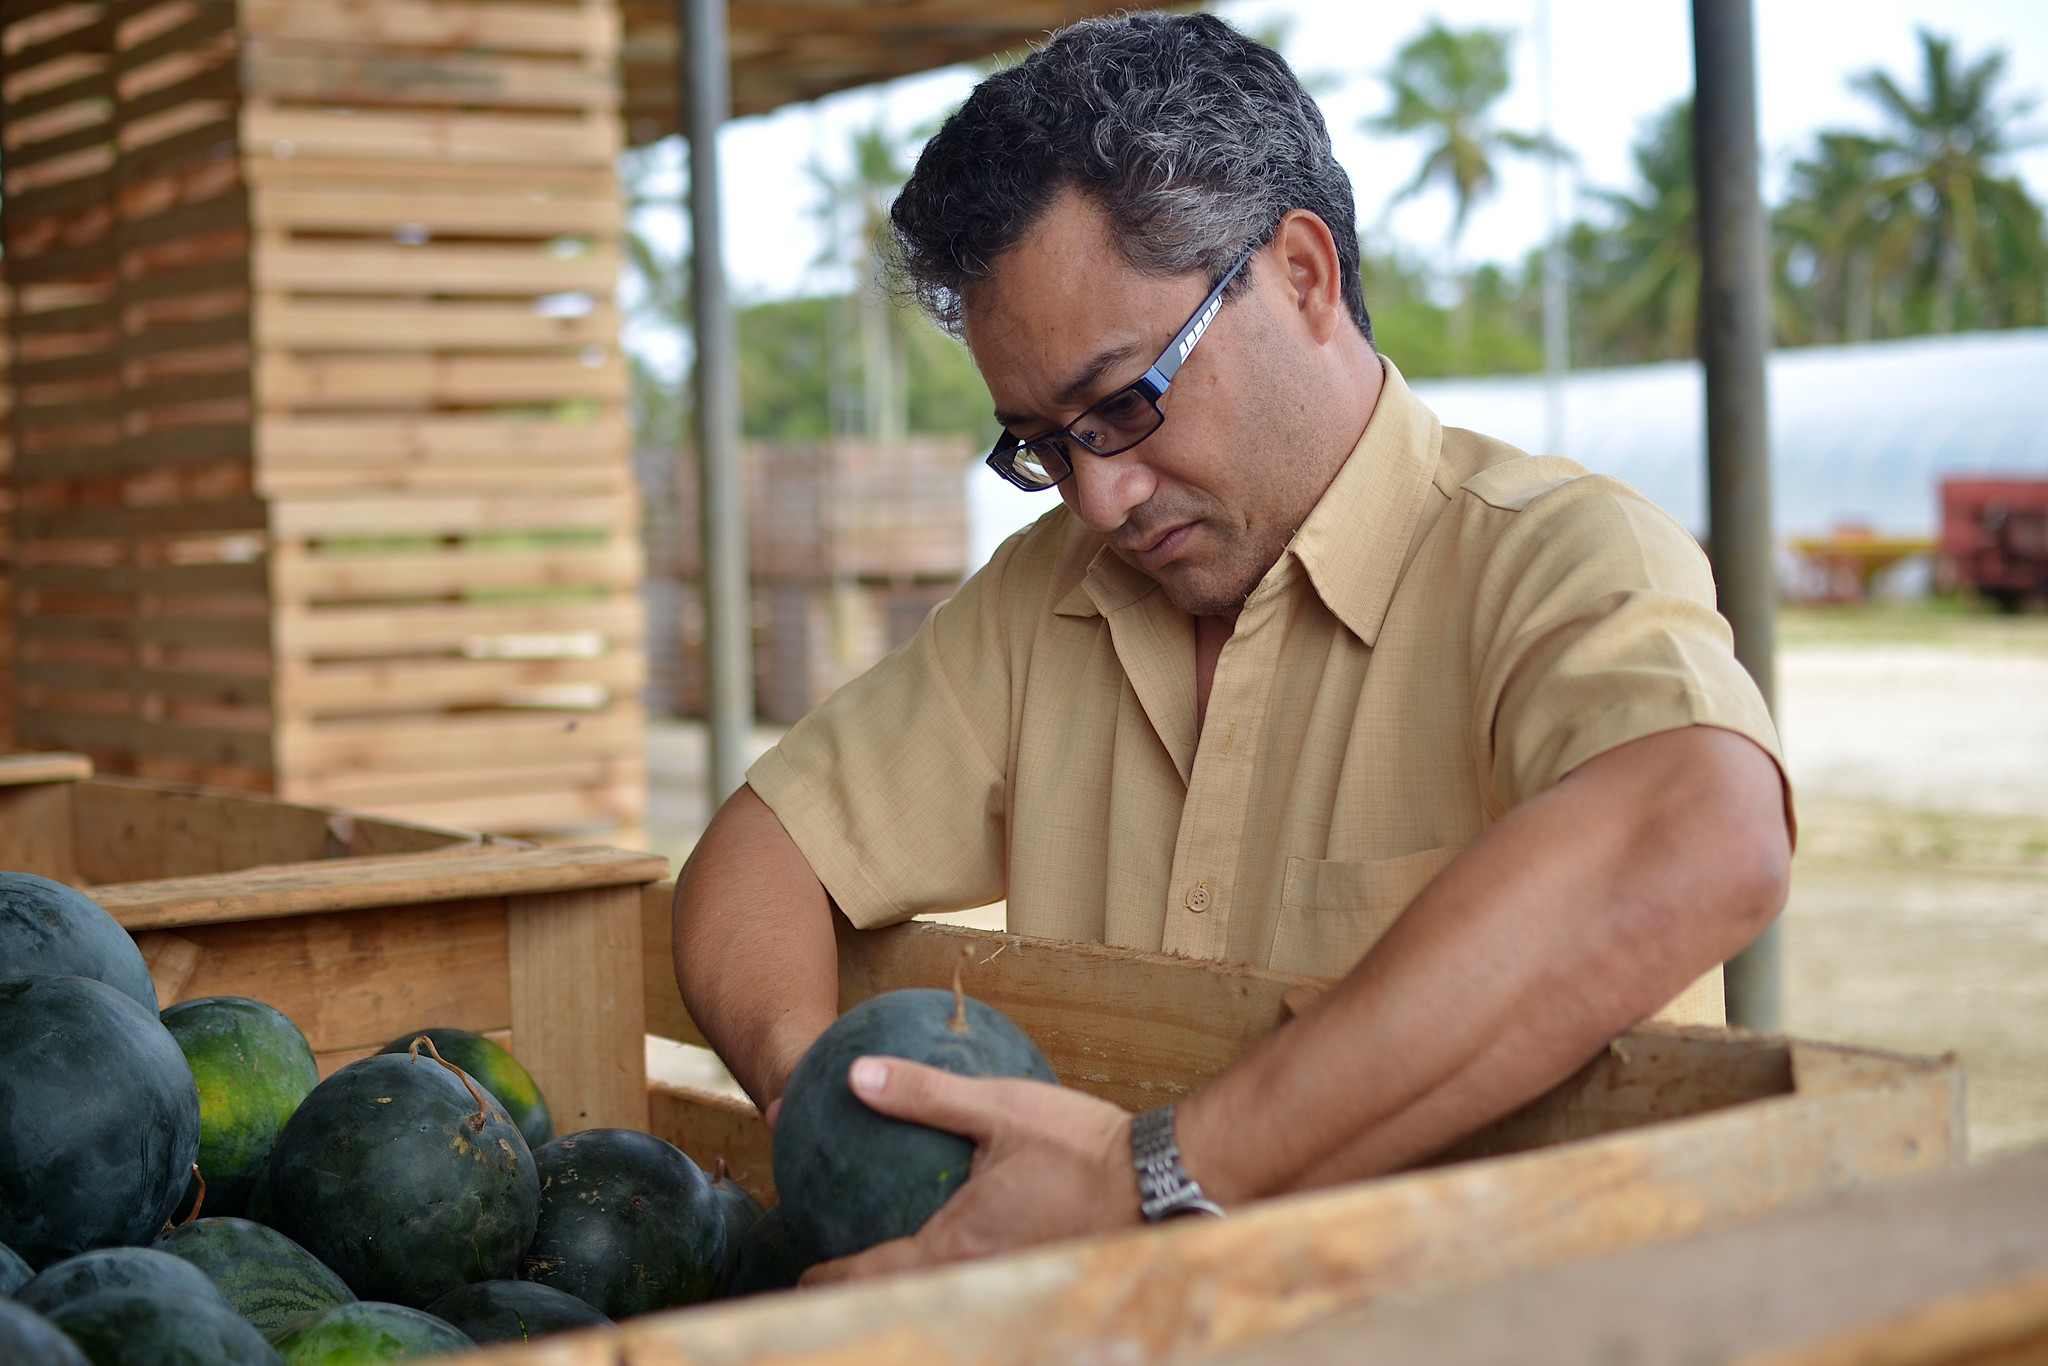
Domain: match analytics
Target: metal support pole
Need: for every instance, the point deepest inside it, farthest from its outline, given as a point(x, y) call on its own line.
point(1734, 335)
point(706, 102)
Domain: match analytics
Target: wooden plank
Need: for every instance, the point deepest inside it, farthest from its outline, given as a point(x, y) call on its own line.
point(367, 76)
point(609, 812)
point(458, 874)
point(339, 267)
point(36, 829)
point(667, 1016)
point(451, 24)
point(357, 979)
point(131, 830)
point(425, 685)
point(428, 380)
point(298, 577)
point(709, 1125)
point(576, 1005)
point(458, 441)
point(1947, 1267)
point(467, 516)
point(402, 325)
point(488, 139)
point(337, 632)
point(302, 172)
point(1201, 1286)
point(16, 769)
point(361, 790)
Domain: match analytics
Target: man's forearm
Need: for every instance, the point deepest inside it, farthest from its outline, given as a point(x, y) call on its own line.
point(755, 954)
point(1577, 914)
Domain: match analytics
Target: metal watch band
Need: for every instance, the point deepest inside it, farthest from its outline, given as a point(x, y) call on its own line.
point(1164, 1187)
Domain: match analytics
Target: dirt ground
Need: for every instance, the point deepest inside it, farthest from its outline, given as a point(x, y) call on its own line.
point(1918, 742)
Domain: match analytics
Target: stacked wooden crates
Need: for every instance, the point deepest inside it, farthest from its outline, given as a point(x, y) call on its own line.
point(323, 474)
point(850, 543)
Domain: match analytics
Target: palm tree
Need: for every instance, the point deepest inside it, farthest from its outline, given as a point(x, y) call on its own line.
point(1937, 160)
point(1642, 274)
point(1444, 82)
point(853, 207)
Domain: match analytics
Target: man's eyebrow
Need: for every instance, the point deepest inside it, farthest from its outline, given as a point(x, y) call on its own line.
point(1078, 384)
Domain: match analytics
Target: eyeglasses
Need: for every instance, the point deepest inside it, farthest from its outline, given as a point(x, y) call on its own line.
point(1118, 422)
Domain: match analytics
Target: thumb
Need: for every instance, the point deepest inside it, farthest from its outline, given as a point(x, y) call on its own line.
point(902, 1089)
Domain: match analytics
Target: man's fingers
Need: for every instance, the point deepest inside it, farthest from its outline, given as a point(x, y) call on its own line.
point(968, 1106)
point(898, 1254)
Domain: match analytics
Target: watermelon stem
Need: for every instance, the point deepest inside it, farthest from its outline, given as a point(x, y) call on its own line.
point(958, 1024)
point(197, 1200)
point(483, 1108)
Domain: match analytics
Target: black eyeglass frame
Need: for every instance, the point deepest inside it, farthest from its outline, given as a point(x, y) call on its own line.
point(1150, 386)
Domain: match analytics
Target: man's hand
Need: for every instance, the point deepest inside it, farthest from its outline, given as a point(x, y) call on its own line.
point(1049, 1163)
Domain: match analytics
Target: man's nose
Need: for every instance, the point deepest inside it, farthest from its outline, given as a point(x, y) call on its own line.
point(1103, 490)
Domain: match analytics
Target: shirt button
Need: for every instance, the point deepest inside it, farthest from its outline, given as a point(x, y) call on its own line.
point(1198, 896)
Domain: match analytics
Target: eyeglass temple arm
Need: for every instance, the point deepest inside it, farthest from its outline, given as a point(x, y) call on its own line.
point(1168, 365)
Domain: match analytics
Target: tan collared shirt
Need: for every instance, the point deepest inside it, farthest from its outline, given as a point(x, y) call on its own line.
point(1456, 627)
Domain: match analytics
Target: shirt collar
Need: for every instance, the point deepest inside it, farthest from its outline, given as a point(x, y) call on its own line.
point(1355, 542)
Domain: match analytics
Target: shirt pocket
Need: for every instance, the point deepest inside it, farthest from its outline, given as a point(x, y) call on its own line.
point(1332, 912)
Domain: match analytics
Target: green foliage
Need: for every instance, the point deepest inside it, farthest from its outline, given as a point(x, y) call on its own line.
point(787, 385)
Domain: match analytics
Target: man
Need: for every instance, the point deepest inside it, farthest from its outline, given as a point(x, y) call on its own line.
point(1293, 676)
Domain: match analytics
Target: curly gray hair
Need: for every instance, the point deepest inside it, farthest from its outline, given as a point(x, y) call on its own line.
point(1192, 138)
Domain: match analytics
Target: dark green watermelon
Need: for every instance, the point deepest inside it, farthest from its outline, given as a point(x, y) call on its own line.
point(628, 1224)
point(114, 1268)
point(366, 1332)
point(266, 1277)
point(14, 1272)
point(740, 1211)
point(514, 1311)
point(771, 1257)
point(392, 1175)
point(50, 930)
point(99, 1118)
point(261, 1209)
point(253, 1067)
point(497, 1071)
point(29, 1339)
point(142, 1328)
point(853, 1178)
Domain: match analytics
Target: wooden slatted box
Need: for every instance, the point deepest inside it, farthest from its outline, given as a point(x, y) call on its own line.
point(329, 492)
point(361, 930)
point(1671, 1132)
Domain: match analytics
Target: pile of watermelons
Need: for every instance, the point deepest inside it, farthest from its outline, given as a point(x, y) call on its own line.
point(181, 1187)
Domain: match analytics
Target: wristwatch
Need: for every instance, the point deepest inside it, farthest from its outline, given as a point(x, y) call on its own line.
point(1164, 1187)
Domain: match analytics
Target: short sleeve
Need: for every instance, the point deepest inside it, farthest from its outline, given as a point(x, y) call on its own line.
point(1595, 625)
point(894, 788)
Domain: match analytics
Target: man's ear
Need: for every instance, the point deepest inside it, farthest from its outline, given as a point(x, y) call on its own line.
point(1308, 255)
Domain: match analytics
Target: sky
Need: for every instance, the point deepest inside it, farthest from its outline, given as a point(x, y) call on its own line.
point(1617, 63)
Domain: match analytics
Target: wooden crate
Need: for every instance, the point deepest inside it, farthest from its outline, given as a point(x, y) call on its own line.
point(1944, 1269)
point(1671, 1132)
point(360, 929)
point(850, 544)
point(324, 483)
point(363, 929)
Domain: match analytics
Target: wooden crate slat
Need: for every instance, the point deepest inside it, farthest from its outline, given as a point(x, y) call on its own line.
point(341, 325)
point(492, 139)
point(448, 24)
point(564, 630)
point(511, 210)
point(387, 268)
point(355, 77)
point(382, 971)
point(426, 743)
point(476, 515)
point(304, 578)
point(415, 685)
point(550, 479)
point(297, 889)
point(481, 444)
point(515, 773)
point(546, 812)
point(427, 381)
